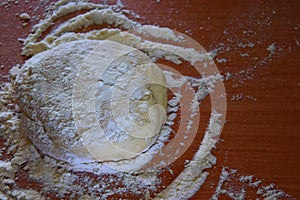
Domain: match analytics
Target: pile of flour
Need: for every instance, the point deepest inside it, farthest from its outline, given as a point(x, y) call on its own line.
point(43, 147)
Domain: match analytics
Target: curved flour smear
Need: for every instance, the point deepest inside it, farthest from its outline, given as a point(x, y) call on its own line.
point(155, 42)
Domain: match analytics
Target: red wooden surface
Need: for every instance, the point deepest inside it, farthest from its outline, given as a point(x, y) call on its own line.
point(261, 136)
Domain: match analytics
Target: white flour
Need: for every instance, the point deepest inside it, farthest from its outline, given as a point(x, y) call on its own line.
point(25, 16)
point(229, 178)
point(60, 177)
point(101, 180)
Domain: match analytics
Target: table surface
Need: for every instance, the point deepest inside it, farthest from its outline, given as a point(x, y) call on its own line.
point(261, 134)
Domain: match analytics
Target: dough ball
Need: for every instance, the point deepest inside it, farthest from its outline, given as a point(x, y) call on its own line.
point(87, 100)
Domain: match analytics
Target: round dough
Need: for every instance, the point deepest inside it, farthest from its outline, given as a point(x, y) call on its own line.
point(91, 100)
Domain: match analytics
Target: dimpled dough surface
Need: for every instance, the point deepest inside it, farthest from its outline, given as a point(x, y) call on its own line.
point(51, 91)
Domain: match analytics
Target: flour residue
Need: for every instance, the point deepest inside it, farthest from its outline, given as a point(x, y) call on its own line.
point(94, 180)
point(237, 186)
point(98, 181)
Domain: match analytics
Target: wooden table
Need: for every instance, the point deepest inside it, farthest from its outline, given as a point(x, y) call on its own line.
point(261, 134)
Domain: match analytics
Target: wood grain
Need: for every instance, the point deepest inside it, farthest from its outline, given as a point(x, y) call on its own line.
point(261, 136)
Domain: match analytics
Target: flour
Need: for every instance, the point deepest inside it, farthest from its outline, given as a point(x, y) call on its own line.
point(25, 16)
point(271, 48)
point(53, 152)
point(236, 186)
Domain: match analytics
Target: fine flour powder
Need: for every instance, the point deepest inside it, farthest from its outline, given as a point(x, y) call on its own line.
point(96, 103)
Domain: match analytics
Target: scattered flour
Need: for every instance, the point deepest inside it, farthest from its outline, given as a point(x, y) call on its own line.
point(60, 177)
point(244, 54)
point(221, 60)
point(25, 16)
point(272, 48)
point(235, 186)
